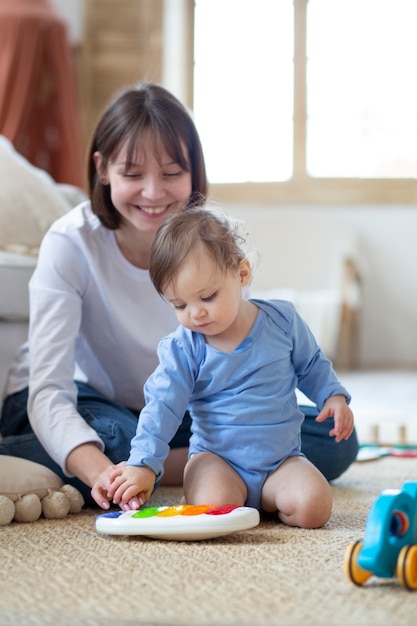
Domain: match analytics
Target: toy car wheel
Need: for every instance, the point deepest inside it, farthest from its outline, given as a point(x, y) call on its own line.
point(407, 567)
point(354, 572)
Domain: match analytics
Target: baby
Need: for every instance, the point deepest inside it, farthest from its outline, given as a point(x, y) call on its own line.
point(235, 364)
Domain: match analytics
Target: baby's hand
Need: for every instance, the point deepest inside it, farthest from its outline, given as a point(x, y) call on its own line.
point(100, 489)
point(337, 407)
point(131, 486)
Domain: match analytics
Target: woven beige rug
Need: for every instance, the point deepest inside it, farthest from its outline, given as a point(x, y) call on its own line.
point(63, 572)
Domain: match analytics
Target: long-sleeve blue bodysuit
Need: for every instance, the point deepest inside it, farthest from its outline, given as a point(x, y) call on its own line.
point(242, 403)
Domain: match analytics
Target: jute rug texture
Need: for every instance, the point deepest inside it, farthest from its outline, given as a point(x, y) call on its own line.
point(62, 572)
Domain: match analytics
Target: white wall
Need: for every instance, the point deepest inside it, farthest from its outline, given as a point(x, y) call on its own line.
point(388, 260)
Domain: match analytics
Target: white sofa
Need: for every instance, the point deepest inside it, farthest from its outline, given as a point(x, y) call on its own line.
point(15, 272)
point(30, 201)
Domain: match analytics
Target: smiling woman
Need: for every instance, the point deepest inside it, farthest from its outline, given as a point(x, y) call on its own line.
point(95, 317)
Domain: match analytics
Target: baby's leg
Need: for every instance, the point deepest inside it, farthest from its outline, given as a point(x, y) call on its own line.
point(208, 479)
point(299, 493)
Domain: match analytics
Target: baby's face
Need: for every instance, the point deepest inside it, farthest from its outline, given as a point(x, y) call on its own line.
point(206, 298)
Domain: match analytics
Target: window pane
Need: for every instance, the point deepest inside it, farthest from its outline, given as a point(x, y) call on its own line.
point(243, 88)
point(361, 88)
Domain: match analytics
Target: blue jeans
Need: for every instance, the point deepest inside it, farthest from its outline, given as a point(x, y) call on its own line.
point(116, 426)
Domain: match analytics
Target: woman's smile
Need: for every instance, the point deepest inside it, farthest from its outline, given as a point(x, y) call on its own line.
point(155, 210)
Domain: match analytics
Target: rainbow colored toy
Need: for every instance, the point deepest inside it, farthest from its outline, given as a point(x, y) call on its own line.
point(182, 522)
point(389, 547)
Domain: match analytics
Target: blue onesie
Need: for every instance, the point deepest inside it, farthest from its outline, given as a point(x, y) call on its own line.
point(242, 403)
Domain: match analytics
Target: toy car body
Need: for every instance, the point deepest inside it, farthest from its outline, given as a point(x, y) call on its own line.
point(389, 547)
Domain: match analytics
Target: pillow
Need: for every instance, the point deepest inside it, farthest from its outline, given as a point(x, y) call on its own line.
point(19, 477)
point(30, 200)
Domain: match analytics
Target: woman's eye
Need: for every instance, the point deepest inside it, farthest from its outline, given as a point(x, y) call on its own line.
point(179, 307)
point(172, 174)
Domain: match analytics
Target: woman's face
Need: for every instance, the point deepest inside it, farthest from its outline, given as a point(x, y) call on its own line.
point(150, 190)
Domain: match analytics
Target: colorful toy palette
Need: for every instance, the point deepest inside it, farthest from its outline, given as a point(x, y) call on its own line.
point(182, 522)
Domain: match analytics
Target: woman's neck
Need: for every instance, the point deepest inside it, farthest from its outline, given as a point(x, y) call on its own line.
point(135, 247)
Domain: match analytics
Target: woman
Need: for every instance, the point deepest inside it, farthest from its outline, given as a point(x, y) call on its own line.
point(95, 318)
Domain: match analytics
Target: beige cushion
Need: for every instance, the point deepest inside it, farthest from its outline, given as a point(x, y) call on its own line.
point(20, 476)
point(30, 200)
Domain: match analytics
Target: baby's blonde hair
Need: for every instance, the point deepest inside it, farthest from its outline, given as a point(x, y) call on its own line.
point(176, 237)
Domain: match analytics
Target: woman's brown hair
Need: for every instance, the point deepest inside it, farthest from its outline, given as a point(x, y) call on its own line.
point(134, 110)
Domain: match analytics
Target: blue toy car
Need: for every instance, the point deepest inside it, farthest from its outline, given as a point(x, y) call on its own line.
point(389, 547)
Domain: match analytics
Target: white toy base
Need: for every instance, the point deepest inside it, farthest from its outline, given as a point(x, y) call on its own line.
point(183, 522)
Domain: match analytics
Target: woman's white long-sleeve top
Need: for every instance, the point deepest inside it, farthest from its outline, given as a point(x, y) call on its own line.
point(95, 318)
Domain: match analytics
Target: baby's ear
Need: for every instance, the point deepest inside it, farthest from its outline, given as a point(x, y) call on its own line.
point(245, 272)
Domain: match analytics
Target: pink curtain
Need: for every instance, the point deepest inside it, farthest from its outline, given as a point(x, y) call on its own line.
point(38, 100)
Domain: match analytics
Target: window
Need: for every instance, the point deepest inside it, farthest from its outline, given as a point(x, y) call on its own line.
point(312, 101)
point(243, 104)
